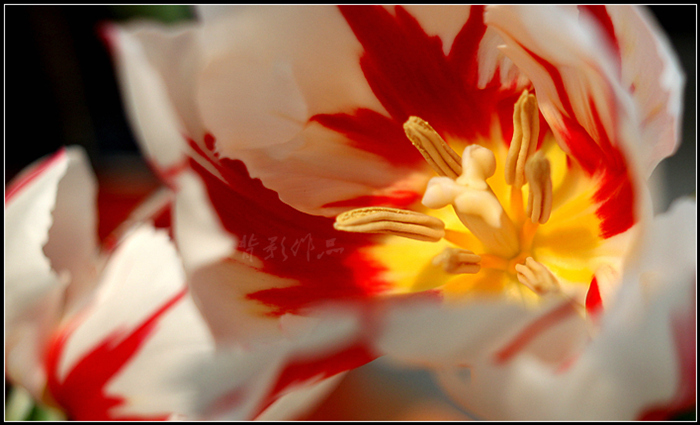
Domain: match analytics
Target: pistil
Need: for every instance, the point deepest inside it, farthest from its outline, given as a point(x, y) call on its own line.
point(474, 202)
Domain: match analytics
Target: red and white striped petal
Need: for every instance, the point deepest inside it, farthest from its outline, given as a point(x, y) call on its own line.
point(640, 363)
point(126, 354)
point(571, 63)
point(29, 201)
point(50, 256)
point(262, 379)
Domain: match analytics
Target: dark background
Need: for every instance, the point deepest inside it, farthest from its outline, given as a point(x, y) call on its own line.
point(60, 86)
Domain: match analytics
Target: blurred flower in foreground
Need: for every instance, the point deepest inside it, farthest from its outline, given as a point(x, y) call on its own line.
point(101, 334)
point(458, 187)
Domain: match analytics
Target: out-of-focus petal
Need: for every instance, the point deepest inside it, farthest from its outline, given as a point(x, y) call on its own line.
point(652, 73)
point(153, 63)
point(29, 202)
point(131, 346)
point(50, 256)
point(632, 366)
point(426, 332)
point(245, 381)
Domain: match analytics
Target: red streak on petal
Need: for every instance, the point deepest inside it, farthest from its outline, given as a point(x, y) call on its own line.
point(410, 74)
point(600, 14)
point(398, 199)
point(82, 394)
point(18, 184)
point(299, 371)
point(594, 304)
point(373, 132)
point(532, 331)
point(291, 244)
point(598, 157)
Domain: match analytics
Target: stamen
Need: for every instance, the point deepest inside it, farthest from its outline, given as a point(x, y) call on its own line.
point(526, 130)
point(458, 261)
point(536, 277)
point(441, 157)
point(409, 224)
point(539, 202)
point(475, 203)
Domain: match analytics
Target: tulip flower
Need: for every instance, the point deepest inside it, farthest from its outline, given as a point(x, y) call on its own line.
point(449, 180)
point(99, 334)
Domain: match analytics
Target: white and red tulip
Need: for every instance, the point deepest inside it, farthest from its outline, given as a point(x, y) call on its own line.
point(280, 127)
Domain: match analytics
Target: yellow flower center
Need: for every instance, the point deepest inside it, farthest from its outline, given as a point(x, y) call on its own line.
point(475, 234)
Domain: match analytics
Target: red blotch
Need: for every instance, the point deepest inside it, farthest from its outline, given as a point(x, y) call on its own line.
point(410, 75)
point(290, 243)
point(299, 371)
point(398, 199)
point(594, 304)
point(31, 174)
point(373, 132)
point(82, 394)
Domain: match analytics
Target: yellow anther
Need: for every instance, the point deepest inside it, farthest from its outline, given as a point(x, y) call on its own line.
point(537, 277)
point(409, 224)
point(526, 130)
point(539, 201)
point(441, 157)
point(458, 261)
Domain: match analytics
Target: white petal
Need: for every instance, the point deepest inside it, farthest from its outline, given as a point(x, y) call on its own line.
point(72, 245)
point(142, 277)
point(28, 218)
point(427, 332)
point(156, 68)
point(199, 233)
point(289, 63)
point(652, 73)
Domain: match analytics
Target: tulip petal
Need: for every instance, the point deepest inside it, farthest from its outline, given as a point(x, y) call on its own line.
point(652, 73)
point(151, 64)
point(636, 365)
point(128, 349)
point(28, 204)
point(572, 65)
point(245, 382)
